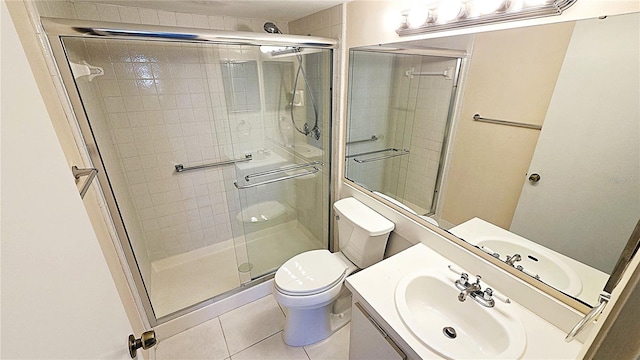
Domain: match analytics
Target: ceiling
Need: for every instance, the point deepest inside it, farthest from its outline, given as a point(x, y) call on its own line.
point(287, 10)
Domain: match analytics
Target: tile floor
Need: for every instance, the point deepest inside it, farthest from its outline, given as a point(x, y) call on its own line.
point(251, 332)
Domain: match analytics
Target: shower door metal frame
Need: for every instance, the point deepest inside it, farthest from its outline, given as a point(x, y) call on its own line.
point(57, 29)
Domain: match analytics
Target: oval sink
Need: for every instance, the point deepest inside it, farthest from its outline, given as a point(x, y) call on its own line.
point(427, 302)
point(536, 261)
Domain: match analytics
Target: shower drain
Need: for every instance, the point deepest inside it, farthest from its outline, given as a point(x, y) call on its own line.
point(245, 267)
point(449, 332)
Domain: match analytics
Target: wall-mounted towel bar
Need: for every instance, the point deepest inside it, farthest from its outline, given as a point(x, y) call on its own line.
point(78, 173)
point(396, 152)
point(448, 73)
point(372, 138)
point(181, 168)
point(282, 169)
point(477, 117)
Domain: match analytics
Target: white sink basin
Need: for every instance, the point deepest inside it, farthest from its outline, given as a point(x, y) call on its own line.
point(427, 302)
point(536, 261)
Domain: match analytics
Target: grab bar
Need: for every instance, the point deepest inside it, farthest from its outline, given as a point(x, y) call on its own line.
point(282, 169)
point(310, 172)
point(398, 153)
point(372, 138)
point(588, 319)
point(477, 117)
point(447, 73)
point(181, 168)
point(77, 173)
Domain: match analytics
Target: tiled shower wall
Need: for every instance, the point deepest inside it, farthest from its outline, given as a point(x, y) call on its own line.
point(130, 90)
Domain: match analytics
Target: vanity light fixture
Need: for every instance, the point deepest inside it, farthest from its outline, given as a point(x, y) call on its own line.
point(432, 16)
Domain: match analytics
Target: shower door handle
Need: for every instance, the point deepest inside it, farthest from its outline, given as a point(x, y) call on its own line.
point(90, 172)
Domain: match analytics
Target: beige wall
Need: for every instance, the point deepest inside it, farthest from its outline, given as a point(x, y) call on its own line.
point(58, 114)
point(512, 74)
point(55, 278)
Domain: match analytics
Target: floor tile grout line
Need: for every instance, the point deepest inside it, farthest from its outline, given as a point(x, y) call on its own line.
point(306, 353)
point(224, 336)
point(256, 343)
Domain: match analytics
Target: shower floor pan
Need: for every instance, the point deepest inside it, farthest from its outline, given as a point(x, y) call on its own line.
point(186, 279)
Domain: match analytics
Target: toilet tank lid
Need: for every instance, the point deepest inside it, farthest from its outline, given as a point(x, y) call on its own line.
point(363, 216)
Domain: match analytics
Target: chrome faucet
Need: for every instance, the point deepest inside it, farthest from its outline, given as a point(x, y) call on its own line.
point(466, 288)
point(484, 298)
point(512, 259)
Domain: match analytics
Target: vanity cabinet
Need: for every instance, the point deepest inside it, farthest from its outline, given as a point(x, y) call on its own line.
point(369, 341)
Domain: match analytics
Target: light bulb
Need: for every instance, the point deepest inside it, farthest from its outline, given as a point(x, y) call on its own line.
point(530, 3)
point(417, 16)
point(450, 10)
point(491, 6)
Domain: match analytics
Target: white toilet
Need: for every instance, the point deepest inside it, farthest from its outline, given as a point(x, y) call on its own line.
point(308, 285)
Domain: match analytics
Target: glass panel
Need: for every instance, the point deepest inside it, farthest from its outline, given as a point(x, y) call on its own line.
point(160, 104)
point(284, 189)
point(395, 137)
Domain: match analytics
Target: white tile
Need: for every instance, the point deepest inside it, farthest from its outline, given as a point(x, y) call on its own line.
point(108, 12)
point(205, 341)
point(251, 323)
point(336, 347)
point(184, 20)
point(216, 22)
point(167, 18)
point(200, 21)
point(87, 11)
point(271, 348)
point(129, 14)
point(149, 16)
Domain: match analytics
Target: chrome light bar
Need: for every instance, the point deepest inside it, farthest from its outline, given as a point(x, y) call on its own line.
point(507, 12)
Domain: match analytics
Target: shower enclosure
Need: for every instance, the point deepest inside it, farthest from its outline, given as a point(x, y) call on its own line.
point(208, 184)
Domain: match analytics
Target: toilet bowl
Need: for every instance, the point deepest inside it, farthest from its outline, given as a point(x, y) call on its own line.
point(309, 284)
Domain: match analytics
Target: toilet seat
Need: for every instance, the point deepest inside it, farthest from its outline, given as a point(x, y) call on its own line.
point(310, 273)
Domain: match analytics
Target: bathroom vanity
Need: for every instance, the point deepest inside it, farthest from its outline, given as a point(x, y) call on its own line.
point(408, 306)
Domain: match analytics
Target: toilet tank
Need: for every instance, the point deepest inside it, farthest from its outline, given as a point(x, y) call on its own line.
point(363, 233)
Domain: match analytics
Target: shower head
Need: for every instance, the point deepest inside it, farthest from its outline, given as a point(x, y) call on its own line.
point(271, 28)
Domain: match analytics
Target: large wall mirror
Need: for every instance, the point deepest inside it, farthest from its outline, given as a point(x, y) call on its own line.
point(523, 142)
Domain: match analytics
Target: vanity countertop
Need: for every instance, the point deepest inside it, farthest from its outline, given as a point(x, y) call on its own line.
point(377, 284)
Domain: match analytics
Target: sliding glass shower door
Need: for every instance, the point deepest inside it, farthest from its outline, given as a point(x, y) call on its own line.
point(207, 178)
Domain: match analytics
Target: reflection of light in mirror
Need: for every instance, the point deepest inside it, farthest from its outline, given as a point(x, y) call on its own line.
point(450, 10)
point(528, 3)
point(491, 6)
point(417, 16)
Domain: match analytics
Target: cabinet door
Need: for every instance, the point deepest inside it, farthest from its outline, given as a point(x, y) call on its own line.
point(368, 340)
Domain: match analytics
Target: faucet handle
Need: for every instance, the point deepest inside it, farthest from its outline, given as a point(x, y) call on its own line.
point(490, 293)
point(487, 293)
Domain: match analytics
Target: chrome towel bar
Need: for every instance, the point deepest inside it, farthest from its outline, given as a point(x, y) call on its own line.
point(181, 168)
point(397, 152)
point(90, 172)
point(310, 172)
point(477, 117)
point(282, 169)
point(372, 138)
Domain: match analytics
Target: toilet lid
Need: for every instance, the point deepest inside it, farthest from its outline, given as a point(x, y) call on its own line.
point(309, 273)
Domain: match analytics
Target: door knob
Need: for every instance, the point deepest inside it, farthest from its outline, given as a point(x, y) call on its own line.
point(147, 340)
point(534, 178)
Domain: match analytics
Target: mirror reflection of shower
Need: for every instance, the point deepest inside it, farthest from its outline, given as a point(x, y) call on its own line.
point(271, 28)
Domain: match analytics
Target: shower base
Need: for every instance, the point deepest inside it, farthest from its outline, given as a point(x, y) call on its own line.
point(186, 279)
